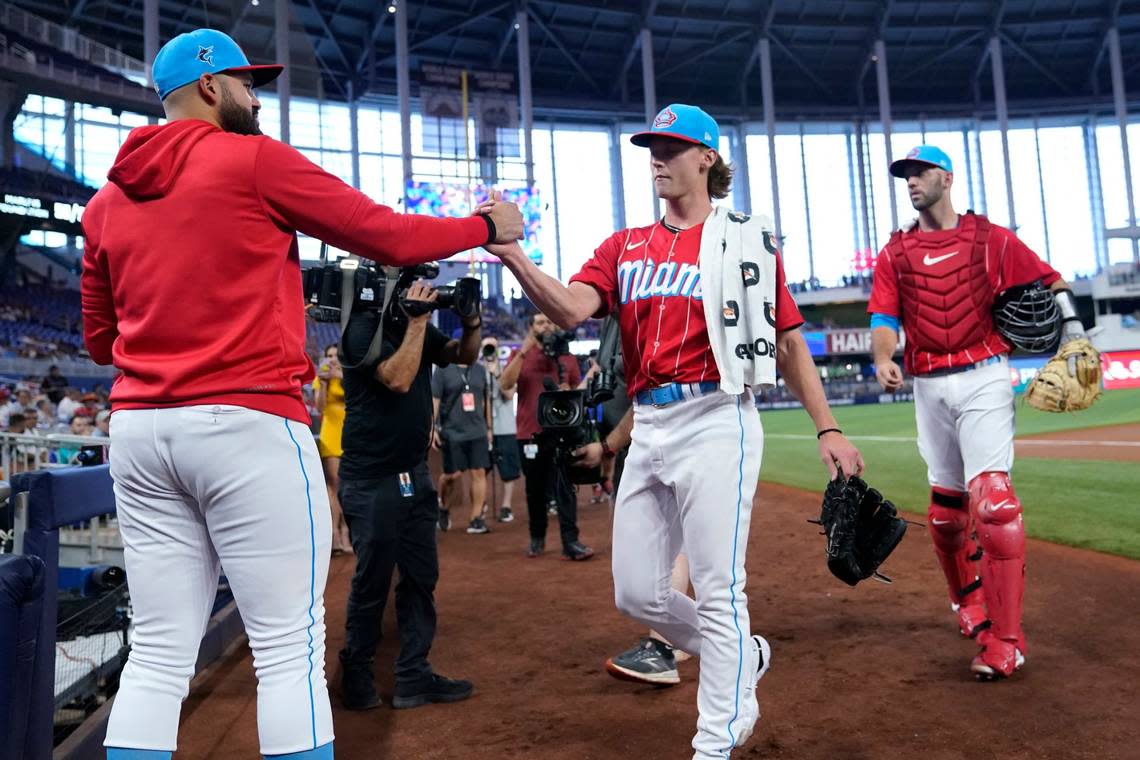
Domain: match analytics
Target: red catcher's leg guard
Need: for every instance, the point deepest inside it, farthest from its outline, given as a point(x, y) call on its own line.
point(1001, 533)
point(949, 524)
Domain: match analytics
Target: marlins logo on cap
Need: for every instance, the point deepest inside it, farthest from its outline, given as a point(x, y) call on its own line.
point(204, 51)
point(682, 122)
point(924, 155)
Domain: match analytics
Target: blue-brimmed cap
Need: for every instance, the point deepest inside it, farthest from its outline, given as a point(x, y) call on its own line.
point(204, 51)
point(683, 122)
point(927, 155)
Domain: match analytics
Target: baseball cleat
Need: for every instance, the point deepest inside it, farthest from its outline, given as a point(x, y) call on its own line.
point(651, 661)
point(998, 659)
point(478, 525)
point(750, 706)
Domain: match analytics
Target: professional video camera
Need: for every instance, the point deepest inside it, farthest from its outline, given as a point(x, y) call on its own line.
point(565, 423)
point(556, 343)
point(324, 288)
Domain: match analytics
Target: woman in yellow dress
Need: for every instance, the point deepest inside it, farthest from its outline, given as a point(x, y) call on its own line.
point(330, 402)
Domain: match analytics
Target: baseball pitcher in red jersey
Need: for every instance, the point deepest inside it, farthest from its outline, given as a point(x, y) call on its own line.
point(938, 278)
point(704, 313)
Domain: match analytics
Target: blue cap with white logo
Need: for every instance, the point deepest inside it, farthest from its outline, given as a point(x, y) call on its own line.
point(925, 155)
point(682, 122)
point(204, 51)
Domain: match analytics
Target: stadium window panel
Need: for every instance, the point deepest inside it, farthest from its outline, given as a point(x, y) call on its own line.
point(759, 175)
point(100, 145)
point(879, 178)
point(336, 133)
point(269, 117)
point(1027, 189)
point(368, 129)
point(128, 119)
point(1065, 179)
point(637, 184)
point(997, 203)
point(793, 215)
point(1111, 175)
point(371, 177)
point(585, 205)
point(304, 123)
point(53, 106)
point(829, 200)
point(543, 180)
point(97, 114)
point(393, 176)
point(391, 141)
point(311, 154)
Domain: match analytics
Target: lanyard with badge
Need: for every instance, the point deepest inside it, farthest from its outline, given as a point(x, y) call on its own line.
point(468, 396)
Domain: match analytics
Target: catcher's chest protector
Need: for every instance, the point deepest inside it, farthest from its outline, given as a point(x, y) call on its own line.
point(945, 292)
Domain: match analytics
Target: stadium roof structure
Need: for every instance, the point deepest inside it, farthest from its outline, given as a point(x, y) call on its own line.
point(585, 55)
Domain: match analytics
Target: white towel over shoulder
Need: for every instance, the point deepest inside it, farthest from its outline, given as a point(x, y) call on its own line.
point(738, 284)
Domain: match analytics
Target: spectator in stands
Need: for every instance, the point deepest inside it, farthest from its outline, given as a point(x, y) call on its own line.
point(68, 406)
point(102, 424)
point(17, 423)
point(81, 423)
point(32, 422)
point(91, 403)
point(54, 384)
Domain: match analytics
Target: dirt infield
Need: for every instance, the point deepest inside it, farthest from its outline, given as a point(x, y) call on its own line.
point(1116, 443)
point(858, 674)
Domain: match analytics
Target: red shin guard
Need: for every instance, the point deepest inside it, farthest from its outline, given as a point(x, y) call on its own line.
point(1001, 534)
point(949, 524)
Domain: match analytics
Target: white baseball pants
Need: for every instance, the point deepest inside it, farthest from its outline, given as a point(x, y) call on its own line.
point(965, 424)
point(200, 488)
point(689, 480)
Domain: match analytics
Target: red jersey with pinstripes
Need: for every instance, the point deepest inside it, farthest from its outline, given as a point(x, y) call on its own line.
point(1007, 262)
point(651, 276)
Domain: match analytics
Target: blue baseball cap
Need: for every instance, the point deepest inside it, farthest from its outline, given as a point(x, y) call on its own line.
point(204, 51)
point(927, 155)
point(682, 122)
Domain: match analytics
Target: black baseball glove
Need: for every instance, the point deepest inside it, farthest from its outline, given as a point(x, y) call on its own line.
point(862, 529)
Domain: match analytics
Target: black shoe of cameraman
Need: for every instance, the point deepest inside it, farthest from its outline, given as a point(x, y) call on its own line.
point(444, 519)
point(577, 552)
point(433, 688)
point(357, 688)
point(536, 548)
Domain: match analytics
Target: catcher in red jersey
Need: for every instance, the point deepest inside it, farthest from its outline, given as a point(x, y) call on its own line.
point(704, 313)
point(939, 278)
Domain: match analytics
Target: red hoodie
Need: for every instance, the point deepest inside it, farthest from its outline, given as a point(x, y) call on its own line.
point(191, 277)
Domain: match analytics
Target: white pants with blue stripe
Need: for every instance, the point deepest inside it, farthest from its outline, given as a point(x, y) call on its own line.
point(688, 482)
point(203, 488)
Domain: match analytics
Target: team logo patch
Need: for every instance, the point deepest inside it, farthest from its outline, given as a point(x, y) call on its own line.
point(731, 312)
point(770, 243)
point(769, 314)
point(665, 118)
point(206, 54)
point(750, 272)
point(736, 216)
point(913, 153)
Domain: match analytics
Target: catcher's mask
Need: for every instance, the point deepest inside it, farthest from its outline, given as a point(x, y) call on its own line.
point(1027, 316)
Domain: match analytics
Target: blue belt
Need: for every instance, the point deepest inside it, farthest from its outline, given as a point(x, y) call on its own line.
point(964, 367)
point(668, 394)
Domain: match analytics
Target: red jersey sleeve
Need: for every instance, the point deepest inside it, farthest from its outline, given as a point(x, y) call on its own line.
point(1017, 263)
point(299, 195)
point(601, 273)
point(787, 313)
point(100, 323)
point(884, 288)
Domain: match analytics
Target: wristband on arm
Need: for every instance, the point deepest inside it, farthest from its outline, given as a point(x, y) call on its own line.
point(492, 233)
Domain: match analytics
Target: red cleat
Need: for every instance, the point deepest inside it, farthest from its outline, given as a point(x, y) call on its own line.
point(998, 658)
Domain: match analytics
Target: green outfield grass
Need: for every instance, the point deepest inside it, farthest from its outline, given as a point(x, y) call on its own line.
point(1085, 503)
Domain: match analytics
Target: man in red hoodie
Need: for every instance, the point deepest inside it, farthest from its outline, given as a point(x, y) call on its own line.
point(192, 289)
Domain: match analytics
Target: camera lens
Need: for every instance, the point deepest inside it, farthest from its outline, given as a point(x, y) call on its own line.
point(563, 412)
point(489, 352)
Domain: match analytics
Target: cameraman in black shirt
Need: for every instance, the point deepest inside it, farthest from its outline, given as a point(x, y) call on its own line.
point(387, 496)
